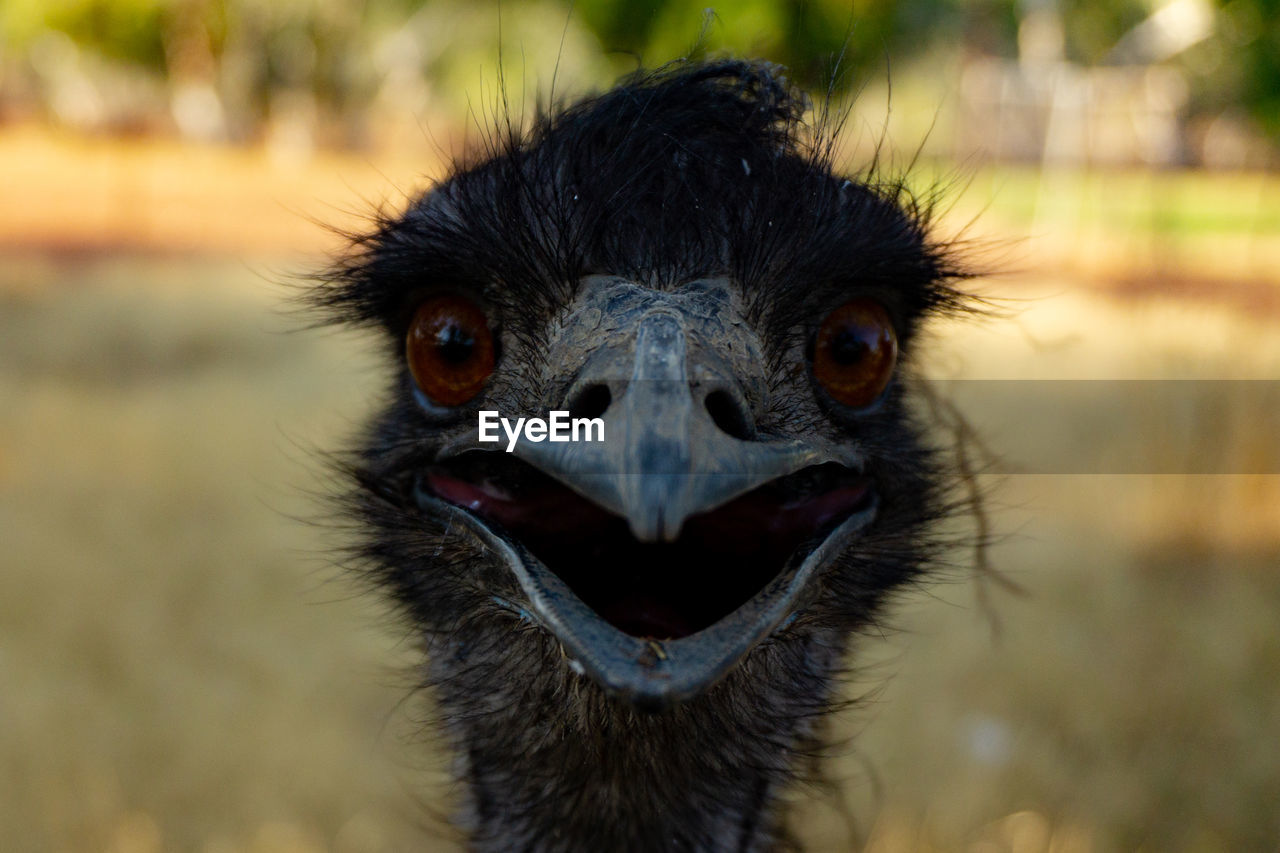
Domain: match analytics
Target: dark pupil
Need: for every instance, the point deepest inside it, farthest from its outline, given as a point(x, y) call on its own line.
point(454, 344)
point(848, 346)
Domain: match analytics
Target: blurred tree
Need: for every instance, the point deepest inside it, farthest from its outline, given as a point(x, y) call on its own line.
point(1093, 29)
point(333, 58)
point(1244, 64)
point(807, 36)
point(122, 29)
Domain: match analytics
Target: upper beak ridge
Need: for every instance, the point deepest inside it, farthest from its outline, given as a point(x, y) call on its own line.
point(657, 442)
point(663, 457)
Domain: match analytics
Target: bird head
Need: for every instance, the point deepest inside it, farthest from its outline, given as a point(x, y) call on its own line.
point(676, 265)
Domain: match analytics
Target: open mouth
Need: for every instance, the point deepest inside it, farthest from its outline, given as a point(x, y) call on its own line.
point(721, 560)
point(703, 601)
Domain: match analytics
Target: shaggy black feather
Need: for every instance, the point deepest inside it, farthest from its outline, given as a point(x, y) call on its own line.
point(691, 171)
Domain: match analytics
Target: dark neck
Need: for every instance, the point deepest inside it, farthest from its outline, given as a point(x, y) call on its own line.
point(549, 763)
point(647, 789)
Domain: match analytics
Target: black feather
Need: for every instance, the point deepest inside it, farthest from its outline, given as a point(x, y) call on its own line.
point(689, 171)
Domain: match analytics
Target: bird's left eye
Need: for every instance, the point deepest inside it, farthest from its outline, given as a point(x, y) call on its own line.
point(854, 352)
point(449, 349)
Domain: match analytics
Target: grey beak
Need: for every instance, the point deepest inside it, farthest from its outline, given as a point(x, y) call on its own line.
point(672, 363)
point(664, 456)
point(655, 420)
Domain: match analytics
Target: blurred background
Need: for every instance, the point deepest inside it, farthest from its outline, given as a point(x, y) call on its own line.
point(182, 667)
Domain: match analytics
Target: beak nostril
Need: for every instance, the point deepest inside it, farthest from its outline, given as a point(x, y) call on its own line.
point(727, 414)
point(591, 402)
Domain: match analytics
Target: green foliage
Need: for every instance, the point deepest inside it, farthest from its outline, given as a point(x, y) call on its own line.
point(1251, 34)
point(124, 29)
point(327, 47)
point(1092, 29)
point(810, 38)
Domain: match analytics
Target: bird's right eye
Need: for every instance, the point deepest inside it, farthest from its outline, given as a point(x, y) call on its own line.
point(855, 352)
point(449, 349)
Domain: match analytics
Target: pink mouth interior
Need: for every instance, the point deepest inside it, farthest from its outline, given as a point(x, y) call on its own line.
point(721, 559)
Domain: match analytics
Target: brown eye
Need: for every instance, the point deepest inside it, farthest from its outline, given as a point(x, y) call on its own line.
point(854, 352)
point(450, 349)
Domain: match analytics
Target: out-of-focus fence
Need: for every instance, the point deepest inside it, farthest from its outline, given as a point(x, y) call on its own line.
point(1065, 114)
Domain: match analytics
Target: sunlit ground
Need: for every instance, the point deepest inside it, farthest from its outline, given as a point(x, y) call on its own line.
point(181, 667)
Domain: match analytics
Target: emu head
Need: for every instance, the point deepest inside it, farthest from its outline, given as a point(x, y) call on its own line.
point(630, 640)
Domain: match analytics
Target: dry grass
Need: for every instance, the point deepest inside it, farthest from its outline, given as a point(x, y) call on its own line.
point(68, 193)
point(180, 671)
point(176, 663)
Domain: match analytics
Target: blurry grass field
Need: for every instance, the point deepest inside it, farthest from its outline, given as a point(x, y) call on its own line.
point(181, 670)
point(176, 672)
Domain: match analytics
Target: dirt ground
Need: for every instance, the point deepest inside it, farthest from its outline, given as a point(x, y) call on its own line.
point(1189, 235)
